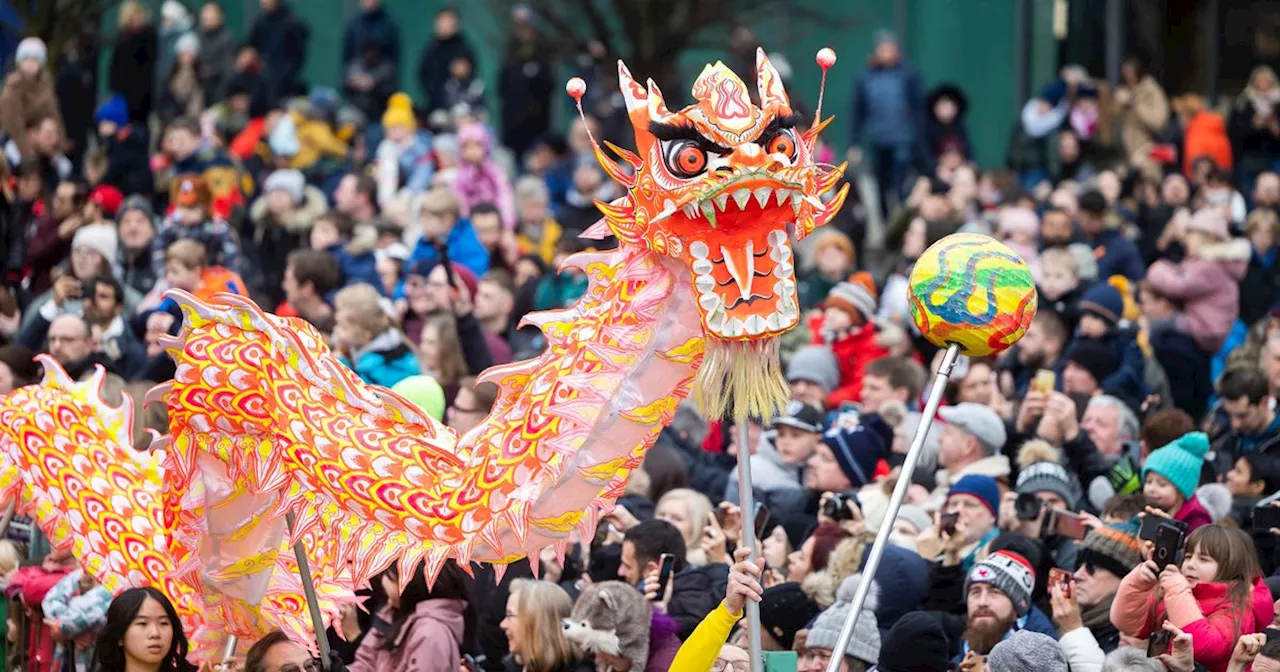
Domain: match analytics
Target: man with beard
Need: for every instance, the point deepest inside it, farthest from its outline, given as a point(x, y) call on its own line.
point(71, 344)
point(997, 595)
point(1107, 554)
point(1056, 229)
point(104, 313)
point(1040, 348)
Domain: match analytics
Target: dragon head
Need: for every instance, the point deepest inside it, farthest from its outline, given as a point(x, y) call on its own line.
point(723, 186)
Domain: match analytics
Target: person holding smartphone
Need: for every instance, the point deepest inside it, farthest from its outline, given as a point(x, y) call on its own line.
point(1043, 487)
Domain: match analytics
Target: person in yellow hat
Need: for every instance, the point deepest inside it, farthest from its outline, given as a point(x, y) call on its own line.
point(404, 155)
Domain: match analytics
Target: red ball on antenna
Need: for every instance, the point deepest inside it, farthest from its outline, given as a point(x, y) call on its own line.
point(575, 87)
point(826, 57)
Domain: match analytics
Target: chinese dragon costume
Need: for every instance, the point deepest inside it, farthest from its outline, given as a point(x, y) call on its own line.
point(265, 420)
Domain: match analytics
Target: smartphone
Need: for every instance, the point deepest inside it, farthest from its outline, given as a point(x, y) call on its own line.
point(1068, 524)
point(1158, 644)
point(1061, 577)
point(947, 522)
point(1169, 542)
point(1151, 526)
point(666, 563)
point(781, 661)
point(762, 518)
point(1265, 518)
point(1044, 381)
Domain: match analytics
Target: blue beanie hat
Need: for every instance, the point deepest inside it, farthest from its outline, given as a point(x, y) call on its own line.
point(984, 488)
point(1180, 462)
point(1104, 301)
point(858, 450)
point(115, 109)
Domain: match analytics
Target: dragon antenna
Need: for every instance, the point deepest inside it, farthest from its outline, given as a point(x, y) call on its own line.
point(826, 58)
point(577, 88)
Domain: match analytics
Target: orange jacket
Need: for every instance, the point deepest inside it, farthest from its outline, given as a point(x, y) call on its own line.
point(1206, 136)
point(217, 279)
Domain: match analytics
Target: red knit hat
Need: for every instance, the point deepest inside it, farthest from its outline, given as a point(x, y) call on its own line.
point(107, 198)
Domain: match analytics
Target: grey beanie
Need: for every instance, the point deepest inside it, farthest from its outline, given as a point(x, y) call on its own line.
point(817, 364)
point(1027, 650)
point(865, 643)
point(137, 202)
point(1049, 477)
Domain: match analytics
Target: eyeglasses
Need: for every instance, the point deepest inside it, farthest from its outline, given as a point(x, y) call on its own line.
point(313, 665)
point(722, 665)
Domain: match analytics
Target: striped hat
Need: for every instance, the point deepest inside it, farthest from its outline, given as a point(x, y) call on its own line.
point(1113, 547)
point(1010, 573)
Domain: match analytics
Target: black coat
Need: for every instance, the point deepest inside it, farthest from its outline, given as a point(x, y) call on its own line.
point(527, 84)
point(433, 67)
point(694, 593)
point(128, 163)
point(76, 83)
point(132, 72)
point(281, 38)
point(374, 28)
point(1187, 368)
point(1259, 290)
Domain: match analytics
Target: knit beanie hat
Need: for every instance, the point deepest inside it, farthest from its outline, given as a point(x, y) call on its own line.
point(34, 48)
point(187, 44)
point(785, 609)
point(816, 364)
point(107, 198)
point(1179, 462)
point(833, 238)
point(290, 181)
point(858, 450)
point(1114, 547)
point(916, 516)
point(103, 239)
point(425, 392)
point(1096, 357)
point(115, 110)
point(1211, 222)
point(1103, 301)
point(1010, 573)
point(916, 643)
point(136, 202)
point(984, 488)
point(399, 112)
point(1027, 650)
point(856, 296)
point(1048, 477)
point(865, 643)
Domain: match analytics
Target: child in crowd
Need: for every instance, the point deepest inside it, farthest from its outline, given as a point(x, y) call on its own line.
point(1171, 475)
point(369, 341)
point(480, 179)
point(1254, 475)
point(1019, 228)
point(846, 327)
point(403, 157)
point(1215, 595)
point(833, 258)
point(442, 226)
point(536, 231)
point(186, 267)
point(1207, 282)
point(389, 262)
point(1102, 310)
point(1060, 286)
point(350, 244)
point(193, 218)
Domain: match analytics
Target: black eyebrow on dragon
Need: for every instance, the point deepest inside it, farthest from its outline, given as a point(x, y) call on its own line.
point(663, 131)
point(780, 123)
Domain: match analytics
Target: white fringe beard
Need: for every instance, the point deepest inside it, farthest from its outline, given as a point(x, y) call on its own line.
point(741, 379)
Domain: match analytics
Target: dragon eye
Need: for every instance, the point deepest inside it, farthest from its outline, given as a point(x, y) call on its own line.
point(784, 144)
point(685, 159)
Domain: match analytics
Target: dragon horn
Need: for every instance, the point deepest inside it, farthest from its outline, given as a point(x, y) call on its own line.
point(576, 88)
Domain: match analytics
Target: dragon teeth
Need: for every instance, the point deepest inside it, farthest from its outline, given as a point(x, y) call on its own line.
point(699, 249)
point(742, 197)
point(709, 211)
point(795, 204)
point(762, 196)
point(692, 211)
point(783, 195)
point(721, 201)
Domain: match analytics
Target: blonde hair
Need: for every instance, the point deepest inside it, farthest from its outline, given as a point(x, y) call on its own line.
point(542, 606)
point(132, 13)
point(531, 188)
point(1262, 218)
point(699, 507)
point(452, 364)
point(363, 304)
point(187, 253)
point(10, 558)
point(440, 200)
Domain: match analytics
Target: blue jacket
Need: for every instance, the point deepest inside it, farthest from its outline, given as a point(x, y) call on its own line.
point(385, 361)
point(463, 247)
point(356, 267)
point(371, 28)
point(888, 106)
point(1119, 256)
point(1129, 382)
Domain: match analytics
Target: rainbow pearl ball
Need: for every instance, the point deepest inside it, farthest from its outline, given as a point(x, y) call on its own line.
point(972, 291)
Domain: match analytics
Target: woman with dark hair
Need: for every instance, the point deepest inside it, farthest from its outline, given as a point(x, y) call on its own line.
point(422, 629)
point(142, 634)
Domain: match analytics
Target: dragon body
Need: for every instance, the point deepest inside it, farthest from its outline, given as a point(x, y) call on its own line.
point(265, 420)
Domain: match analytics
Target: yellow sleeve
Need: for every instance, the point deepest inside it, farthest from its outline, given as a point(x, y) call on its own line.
point(700, 650)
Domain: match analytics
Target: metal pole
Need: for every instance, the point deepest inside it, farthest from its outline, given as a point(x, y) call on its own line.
point(309, 589)
point(895, 503)
point(747, 498)
point(230, 650)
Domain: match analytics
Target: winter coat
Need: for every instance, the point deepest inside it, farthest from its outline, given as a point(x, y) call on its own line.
point(1082, 651)
point(694, 593)
point(433, 67)
point(218, 49)
point(768, 473)
point(23, 100)
point(888, 106)
point(77, 613)
point(1207, 286)
point(1193, 513)
point(1117, 255)
point(463, 248)
point(485, 181)
point(527, 82)
point(281, 38)
point(386, 360)
point(664, 643)
point(386, 80)
point(430, 640)
point(1145, 117)
point(1206, 135)
point(355, 257)
point(1260, 288)
point(76, 87)
point(131, 73)
point(409, 166)
point(1129, 380)
point(268, 243)
point(1205, 612)
point(1254, 148)
point(128, 162)
point(853, 352)
point(374, 28)
point(1187, 367)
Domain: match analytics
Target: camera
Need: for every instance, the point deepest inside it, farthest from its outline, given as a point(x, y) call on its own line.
point(836, 507)
point(1027, 506)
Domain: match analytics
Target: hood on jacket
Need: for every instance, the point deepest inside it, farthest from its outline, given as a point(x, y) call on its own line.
point(1236, 252)
point(363, 240)
point(312, 207)
point(611, 617)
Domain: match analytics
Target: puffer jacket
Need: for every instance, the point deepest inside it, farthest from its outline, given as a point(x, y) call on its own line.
point(430, 640)
point(1208, 285)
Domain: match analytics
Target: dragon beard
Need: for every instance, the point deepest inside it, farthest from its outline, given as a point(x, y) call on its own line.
point(741, 379)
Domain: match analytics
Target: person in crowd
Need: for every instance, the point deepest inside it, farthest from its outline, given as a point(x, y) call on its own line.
point(281, 37)
point(1143, 108)
point(833, 261)
point(142, 633)
point(496, 239)
point(28, 94)
point(132, 68)
point(369, 340)
point(351, 245)
point(372, 28)
point(1253, 425)
point(1215, 595)
point(447, 45)
point(175, 24)
point(863, 649)
point(1054, 489)
point(180, 91)
point(125, 145)
point(537, 232)
point(691, 591)
point(1204, 134)
point(527, 84)
point(535, 634)
point(970, 443)
point(187, 267)
point(1028, 650)
point(1116, 254)
point(1187, 366)
point(1101, 313)
point(1254, 127)
point(888, 114)
point(403, 157)
point(426, 626)
point(974, 500)
point(1170, 475)
point(217, 50)
point(1108, 553)
point(690, 512)
point(1041, 348)
point(443, 227)
point(74, 611)
point(480, 179)
point(309, 277)
point(471, 404)
point(1260, 287)
point(846, 328)
point(17, 368)
point(193, 219)
point(997, 601)
point(1253, 476)
point(615, 623)
point(275, 652)
point(813, 373)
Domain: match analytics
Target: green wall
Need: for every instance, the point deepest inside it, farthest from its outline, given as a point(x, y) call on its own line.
point(969, 42)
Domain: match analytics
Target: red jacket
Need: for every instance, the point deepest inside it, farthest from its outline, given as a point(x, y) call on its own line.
point(1193, 514)
point(853, 352)
point(31, 584)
